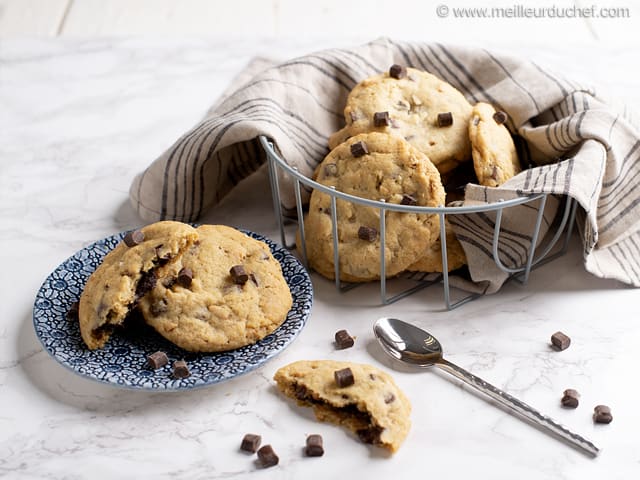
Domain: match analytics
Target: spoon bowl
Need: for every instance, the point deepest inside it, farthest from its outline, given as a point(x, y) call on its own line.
point(412, 345)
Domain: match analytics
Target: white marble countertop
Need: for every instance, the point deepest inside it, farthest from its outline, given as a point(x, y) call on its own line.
point(79, 118)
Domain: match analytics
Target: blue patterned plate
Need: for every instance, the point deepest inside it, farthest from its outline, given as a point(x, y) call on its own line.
point(122, 361)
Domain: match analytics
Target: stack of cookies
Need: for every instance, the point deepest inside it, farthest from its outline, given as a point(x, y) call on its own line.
point(205, 289)
point(407, 135)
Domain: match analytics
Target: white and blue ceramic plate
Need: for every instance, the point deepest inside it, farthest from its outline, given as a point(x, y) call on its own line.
point(122, 362)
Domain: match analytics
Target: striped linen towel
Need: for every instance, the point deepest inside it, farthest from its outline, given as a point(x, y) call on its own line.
point(580, 144)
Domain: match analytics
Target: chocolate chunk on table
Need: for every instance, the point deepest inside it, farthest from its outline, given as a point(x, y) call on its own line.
point(445, 119)
point(570, 398)
point(344, 377)
point(359, 149)
point(397, 71)
point(560, 341)
point(180, 369)
point(131, 239)
point(267, 456)
point(367, 233)
point(314, 446)
point(381, 119)
point(157, 360)
point(602, 414)
point(343, 339)
point(251, 442)
point(239, 275)
point(185, 276)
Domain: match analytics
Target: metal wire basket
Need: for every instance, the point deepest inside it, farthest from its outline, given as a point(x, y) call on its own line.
point(520, 273)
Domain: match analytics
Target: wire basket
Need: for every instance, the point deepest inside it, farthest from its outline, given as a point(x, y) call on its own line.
point(520, 273)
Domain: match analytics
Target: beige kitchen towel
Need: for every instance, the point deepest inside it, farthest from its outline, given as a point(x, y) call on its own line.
point(577, 142)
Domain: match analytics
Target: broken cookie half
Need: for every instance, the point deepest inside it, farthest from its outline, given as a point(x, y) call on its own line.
point(126, 274)
point(373, 407)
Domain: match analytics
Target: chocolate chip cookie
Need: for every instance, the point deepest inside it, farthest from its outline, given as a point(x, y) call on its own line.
point(223, 292)
point(357, 396)
point(494, 154)
point(380, 167)
point(126, 274)
point(414, 105)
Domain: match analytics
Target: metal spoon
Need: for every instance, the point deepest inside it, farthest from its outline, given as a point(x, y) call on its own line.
point(413, 345)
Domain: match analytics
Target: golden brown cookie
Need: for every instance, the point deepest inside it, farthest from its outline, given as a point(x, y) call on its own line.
point(432, 260)
point(494, 154)
point(126, 274)
point(427, 112)
point(373, 166)
point(373, 407)
point(203, 302)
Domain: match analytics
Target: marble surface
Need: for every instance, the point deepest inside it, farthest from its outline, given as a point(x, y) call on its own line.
point(79, 118)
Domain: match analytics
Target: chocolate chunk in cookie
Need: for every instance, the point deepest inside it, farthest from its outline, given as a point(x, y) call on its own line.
point(131, 239)
point(344, 377)
point(369, 234)
point(397, 71)
point(185, 277)
point(381, 119)
point(358, 149)
point(445, 119)
point(239, 274)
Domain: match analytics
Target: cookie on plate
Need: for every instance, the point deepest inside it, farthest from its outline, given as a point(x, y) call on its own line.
point(373, 407)
point(414, 105)
point(431, 261)
point(494, 154)
point(224, 292)
point(379, 167)
point(126, 274)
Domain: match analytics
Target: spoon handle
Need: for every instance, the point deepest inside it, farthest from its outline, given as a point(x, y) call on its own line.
point(519, 407)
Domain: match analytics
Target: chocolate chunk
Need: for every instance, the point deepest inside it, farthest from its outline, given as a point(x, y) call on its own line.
point(445, 119)
point(185, 276)
point(239, 275)
point(131, 239)
point(344, 377)
point(331, 169)
point(180, 369)
point(254, 279)
point(343, 339)
point(359, 149)
point(602, 414)
point(72, 313)
point(367, 233)
point(267, 456)
point(314, 446)
point(381, 119)
point(370, 435)
point(389, 397)
point(157, 360)
point(408, 200)
point(251, 442)
point(162, 260)
point(570, 398)
point(397, 71)
point(500, 117)
point(560, 341)
point(146, 283)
